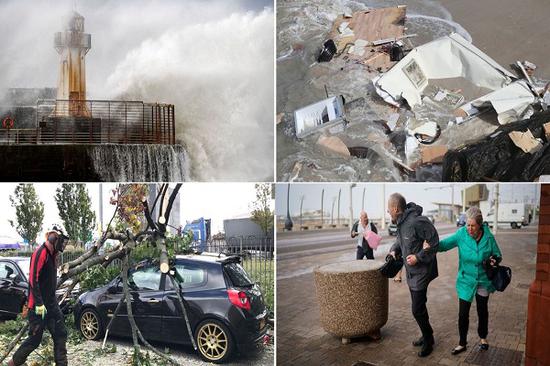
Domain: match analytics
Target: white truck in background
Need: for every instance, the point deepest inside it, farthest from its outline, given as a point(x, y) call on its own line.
point(514, 214)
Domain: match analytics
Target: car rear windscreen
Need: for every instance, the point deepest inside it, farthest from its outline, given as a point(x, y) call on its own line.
point(238, 275)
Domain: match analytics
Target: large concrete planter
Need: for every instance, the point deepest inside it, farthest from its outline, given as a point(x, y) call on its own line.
point(353, 298)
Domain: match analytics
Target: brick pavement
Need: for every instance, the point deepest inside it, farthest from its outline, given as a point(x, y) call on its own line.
point(302, 341)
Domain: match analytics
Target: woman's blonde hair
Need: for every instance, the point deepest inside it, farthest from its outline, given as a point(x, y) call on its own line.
point(475, 213)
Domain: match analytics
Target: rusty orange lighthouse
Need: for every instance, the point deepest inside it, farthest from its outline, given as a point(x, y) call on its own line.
point(72, 45)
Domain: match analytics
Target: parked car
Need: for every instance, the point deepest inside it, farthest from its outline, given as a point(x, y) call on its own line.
point(226, 309)
point(14, 287)
point(461, 221)
point(392, 229)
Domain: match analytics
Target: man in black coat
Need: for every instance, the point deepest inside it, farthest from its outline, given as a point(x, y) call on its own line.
point(44, 312)
point(360, 226)
point(421, 265)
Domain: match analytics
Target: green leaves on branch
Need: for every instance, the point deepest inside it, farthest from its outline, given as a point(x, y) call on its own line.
point(97, 276)
point(261, 212)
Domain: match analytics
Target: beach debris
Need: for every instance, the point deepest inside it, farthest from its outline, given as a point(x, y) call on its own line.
point(526, 141)
point(316, 117)
point(363, 152)
point(280, 117)
point(529, 67)
point(453, 57)
point(366, 31)
point(334, 144)
point(427, 133)
point(327, 52)
point(432, 154)
point(396, 51)
point(392, 121)
point(428, 129)
point(498, 158)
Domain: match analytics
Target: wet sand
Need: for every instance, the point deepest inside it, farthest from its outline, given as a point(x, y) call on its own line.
point(507, 30)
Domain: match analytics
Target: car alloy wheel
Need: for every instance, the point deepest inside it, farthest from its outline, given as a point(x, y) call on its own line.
point(90, 326)
point(213, 341)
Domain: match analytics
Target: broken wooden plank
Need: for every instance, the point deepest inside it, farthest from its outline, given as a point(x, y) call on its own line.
point(432, 154)
point(373, 25)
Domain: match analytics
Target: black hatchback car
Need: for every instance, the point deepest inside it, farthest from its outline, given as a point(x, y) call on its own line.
point(14, 286)
point(226, 309)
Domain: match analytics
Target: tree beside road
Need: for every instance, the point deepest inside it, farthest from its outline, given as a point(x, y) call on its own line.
point(29, 212)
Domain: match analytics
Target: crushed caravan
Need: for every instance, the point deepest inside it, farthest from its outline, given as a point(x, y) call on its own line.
point(326, 114)
point(452, 58)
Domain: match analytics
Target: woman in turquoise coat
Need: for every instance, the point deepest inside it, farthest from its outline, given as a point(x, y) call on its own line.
point(476, 247)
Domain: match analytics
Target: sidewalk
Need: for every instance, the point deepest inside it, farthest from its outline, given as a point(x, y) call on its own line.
point(302, 341)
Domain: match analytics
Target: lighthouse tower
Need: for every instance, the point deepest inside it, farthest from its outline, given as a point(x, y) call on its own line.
point(72, 45)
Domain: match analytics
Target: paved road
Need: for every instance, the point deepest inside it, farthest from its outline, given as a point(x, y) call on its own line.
point(302, 341)
point(304, 247)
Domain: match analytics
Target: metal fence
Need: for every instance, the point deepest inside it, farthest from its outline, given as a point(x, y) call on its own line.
point(257, 256)
point(95, 122)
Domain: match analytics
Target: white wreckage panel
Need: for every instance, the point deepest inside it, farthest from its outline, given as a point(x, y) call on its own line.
point(453, 57)
point(511, 102)
point(313, 117)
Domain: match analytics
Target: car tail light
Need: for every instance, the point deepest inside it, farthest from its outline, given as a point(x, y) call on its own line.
point(239, 299)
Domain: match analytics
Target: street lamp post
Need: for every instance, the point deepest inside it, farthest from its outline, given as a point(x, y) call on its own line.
point(351, 204)
point(301, 206)
point(322, 208)
point(495, 223)
point(383, 206)
point(363, 200)
point(288, 221)
point(332, 212)
point(339, 193)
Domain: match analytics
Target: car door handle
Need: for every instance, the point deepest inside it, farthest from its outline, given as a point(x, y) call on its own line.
point(154, 301)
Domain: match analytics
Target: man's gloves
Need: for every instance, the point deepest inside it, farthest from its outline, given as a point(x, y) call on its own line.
point(40, 310)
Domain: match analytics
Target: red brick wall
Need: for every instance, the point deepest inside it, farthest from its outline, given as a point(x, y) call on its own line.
point(537, 351)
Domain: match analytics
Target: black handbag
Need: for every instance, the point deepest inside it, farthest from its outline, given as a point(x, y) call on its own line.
point(502, 278)
point(392, 266)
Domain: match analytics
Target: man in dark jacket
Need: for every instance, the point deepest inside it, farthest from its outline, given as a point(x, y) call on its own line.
point(44, 312)
point(359, 228)
point(421, 265)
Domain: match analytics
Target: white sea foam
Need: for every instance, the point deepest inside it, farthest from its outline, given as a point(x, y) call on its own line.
point(220, 77)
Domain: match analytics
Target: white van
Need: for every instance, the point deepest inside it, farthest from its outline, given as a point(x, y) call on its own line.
point(514, 214)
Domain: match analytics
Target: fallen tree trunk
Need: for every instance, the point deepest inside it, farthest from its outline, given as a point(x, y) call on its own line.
point(127, 242)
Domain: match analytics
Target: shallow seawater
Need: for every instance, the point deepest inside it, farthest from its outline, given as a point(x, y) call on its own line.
point(302, 26)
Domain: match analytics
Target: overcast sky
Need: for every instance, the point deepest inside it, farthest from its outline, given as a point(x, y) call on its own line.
point(424, 194)
point(217, 201)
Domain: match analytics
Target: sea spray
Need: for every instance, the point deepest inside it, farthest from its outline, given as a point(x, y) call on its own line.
point(219, 75)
